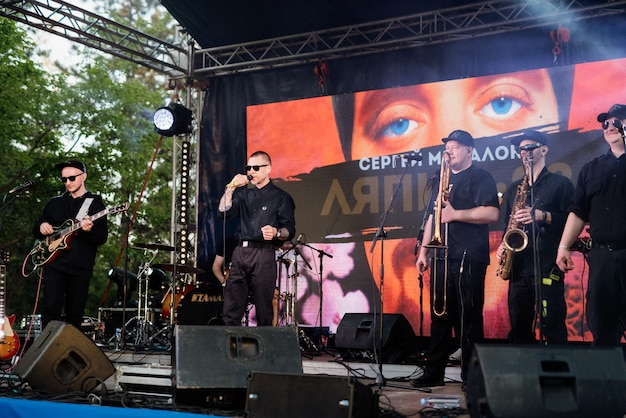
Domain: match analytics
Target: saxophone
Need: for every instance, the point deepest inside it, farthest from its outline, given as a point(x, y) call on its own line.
point(515, 239)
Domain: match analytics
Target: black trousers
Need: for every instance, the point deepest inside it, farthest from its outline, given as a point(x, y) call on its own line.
point(463, 313)
point(606, 296)
point(552, 308)
point(253, 270)
point(67, 291)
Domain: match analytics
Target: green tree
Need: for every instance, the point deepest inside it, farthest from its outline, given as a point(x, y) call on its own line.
point(99, 111)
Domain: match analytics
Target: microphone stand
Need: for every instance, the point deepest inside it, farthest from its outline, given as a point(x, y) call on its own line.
point(418, 244)
point(320, 254)
point(536, 272)
point(120, 345)
point(382, 234)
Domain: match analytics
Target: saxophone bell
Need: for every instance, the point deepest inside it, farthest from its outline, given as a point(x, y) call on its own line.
point(515, 240)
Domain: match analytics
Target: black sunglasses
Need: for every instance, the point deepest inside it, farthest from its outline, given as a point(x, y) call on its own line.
point(70, 178)
point(615, 122)
point(255, 167)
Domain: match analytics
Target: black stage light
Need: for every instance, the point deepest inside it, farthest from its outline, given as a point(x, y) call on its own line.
point(116, 275)
point(174, 119)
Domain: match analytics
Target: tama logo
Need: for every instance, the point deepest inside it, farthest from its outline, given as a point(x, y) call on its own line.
point(205, 297)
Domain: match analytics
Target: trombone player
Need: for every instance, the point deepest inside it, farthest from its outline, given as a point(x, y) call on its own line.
point(534, 278)
point(459, 257)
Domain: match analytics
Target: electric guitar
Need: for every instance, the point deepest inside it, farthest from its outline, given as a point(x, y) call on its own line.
point(46, 250)
point(9, 342)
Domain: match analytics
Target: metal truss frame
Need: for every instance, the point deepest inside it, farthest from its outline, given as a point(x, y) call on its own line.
point(428, 28)
point(474, 20)
point(87, 28)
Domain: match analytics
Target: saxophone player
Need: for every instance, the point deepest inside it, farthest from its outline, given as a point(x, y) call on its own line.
point(457, 278)
point(533, 267)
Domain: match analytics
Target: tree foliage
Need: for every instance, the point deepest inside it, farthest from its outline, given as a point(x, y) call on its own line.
point(99, 111)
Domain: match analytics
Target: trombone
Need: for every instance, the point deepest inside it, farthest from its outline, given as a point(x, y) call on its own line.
point(438, 241)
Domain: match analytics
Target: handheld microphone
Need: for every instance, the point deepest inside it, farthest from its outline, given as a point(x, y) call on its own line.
point(235, 182)
point(22, 186)
point(530, 147)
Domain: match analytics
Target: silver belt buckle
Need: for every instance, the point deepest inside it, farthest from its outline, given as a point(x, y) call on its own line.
point(244, 244)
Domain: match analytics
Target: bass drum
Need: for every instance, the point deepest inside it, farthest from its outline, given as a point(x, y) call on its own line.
point(202, 306)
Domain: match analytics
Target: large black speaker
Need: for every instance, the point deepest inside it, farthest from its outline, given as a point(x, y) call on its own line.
point(535, 381)
point(308, 396)
point(63, 359)
point(212, 364)
point(358, 335)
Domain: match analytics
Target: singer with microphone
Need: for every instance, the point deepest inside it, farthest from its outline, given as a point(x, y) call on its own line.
point(266, 216)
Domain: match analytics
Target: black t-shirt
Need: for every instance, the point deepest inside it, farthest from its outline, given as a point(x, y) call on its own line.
point(470, 188)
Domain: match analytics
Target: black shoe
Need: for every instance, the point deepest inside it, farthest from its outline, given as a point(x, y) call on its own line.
point(426, 382)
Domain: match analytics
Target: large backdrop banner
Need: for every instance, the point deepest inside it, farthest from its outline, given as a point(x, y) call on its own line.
point(360, 163)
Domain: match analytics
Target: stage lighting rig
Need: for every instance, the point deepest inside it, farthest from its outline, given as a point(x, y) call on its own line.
point(173, 119)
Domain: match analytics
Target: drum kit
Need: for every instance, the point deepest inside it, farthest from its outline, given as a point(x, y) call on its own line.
point(183, 300)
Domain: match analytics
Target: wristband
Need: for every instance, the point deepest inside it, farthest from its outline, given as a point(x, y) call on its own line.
point(564, 246)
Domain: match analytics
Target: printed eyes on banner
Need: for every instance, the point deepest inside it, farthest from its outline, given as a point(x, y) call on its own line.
point(399, 127)
point(397, 122)
point(503, 101)
point(502, 107)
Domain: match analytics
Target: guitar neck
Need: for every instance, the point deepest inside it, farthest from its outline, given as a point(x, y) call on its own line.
point(3, 275)
point(75, 226)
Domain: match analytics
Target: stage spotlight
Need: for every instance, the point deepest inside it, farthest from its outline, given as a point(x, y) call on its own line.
point(157, 278)
point(116, 275)
point(174, 119)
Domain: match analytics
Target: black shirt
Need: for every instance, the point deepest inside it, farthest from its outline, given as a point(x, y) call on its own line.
point(269, 205)
point(81, 254)
point(470, 188)
point(600, 198)
point(551, 193)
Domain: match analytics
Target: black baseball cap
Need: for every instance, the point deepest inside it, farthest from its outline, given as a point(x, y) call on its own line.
point(616, 111)
point(460, 136)
point(72, 163)
point(534, 135)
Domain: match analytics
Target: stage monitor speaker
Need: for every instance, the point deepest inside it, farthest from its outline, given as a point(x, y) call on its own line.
point(358, 334)
point(62, 359)
point(308, 396)
point(212, 364)
point(539, 381)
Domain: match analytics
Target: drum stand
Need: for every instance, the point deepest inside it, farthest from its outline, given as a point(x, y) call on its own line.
point(145, 331)
point(307, 346)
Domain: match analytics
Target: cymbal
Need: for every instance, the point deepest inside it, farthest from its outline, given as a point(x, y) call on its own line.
point(180, 268)
point(159, 247)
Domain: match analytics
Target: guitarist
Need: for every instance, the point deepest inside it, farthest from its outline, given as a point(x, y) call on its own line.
point(66, 275)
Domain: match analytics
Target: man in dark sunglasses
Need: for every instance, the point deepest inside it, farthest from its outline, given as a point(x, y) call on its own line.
point(68, 270)
point(600, 201)
point(266, 219)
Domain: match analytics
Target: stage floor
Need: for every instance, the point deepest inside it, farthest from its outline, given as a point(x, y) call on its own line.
point(396, 396)
point(144, 380)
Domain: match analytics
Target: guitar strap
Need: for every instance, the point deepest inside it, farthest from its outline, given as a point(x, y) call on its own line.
point(84, 209)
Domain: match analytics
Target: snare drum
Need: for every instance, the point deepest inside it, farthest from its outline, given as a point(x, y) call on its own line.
point(202, 306)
